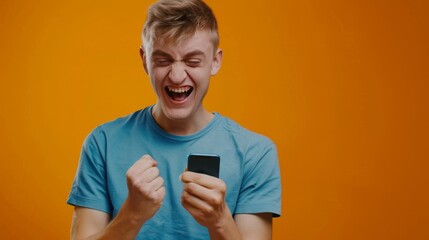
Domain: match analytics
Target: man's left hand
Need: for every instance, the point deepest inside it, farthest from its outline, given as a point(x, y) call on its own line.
point(204, 198)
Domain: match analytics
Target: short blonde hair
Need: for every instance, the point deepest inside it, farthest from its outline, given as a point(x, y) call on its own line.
point(175, 20)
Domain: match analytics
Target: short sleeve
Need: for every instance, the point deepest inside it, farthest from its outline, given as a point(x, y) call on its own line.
point(89, 187)
point(261, 186)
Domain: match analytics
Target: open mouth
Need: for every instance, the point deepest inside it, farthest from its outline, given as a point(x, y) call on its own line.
point(180, 93)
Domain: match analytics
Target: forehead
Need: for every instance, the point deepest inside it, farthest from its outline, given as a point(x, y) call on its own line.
point(200, 41)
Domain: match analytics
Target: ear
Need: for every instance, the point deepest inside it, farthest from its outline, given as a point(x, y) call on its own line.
point(217, 61)
point(143, 57)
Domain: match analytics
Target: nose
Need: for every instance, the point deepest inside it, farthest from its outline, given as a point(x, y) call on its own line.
point(178, 72)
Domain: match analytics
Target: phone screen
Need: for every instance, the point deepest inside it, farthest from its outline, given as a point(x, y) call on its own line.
point(204, 163)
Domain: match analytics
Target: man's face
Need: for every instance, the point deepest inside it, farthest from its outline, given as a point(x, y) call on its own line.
point(180, 75)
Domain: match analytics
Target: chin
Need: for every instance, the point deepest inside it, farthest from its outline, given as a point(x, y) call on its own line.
point(177, 113)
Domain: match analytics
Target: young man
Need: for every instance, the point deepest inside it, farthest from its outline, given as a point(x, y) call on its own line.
point(132, 180)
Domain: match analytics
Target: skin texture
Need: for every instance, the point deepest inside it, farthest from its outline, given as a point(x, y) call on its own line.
point(188, 65)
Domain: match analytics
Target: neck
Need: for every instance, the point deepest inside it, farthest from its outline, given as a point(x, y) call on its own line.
point(182, 127)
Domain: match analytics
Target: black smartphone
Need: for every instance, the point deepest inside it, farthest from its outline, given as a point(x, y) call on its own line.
point(204, 163)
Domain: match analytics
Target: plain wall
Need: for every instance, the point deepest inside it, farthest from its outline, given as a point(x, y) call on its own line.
point(340, 86)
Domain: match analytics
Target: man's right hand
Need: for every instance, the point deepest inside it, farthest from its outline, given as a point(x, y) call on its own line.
point(145, 195)
point(146, 189)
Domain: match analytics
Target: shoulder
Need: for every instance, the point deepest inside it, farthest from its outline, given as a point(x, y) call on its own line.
point(121, 123)
point(243, 134)
point(124, 122)
point(250, 144)
point(117, 128)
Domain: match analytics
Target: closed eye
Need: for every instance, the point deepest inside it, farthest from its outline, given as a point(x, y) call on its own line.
point(162, 62)
point(193, 62)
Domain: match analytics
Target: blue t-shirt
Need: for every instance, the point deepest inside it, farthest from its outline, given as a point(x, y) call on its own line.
point(248, 166)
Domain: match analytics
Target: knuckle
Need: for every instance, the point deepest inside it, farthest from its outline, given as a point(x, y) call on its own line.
point(128, 175)
point(155, 171)
point(184, 198)
point(147, 158)
point(152, 196)
point(160, 195)
point(161, 181)
point(185, 176)
point(130, 171)
point(131, 179)
point(222, 187)
point(184, 203)
point(207, 211)
point(150, 159)
point(215, 200)
point(145, 190)
point(192, 176)
point(189, 187)
point(198, 177)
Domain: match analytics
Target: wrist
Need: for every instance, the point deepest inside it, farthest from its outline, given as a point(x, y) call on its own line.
point(224, 228)
point(125, 225)
point(130, 215)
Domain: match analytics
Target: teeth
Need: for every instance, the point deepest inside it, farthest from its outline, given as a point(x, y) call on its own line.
point(179, 90)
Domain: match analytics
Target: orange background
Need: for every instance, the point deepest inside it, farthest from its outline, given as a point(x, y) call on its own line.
point(340, 86)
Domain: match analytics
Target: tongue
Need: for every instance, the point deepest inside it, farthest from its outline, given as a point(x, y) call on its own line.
point(178, 96)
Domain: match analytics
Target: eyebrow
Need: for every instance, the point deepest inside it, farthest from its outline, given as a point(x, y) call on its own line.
point(190, 54)
point(194, 53)
point(161, 53)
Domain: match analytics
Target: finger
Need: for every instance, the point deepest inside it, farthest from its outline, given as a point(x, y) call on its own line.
point(197, 190)
point(193, 203)
point(146, 157)
point(157, 183)
point(202, 179)
point(161, 192)
point(142, 164)
point(211, 196)
point(156, 196)
point(147, 176)
point(180, 176)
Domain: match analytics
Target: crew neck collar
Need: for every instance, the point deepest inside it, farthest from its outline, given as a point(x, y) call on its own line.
point(213, 122)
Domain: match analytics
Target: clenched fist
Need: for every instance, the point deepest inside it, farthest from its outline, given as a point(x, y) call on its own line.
point(145, 189)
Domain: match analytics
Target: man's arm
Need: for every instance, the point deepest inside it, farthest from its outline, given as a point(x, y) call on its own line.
point(254, 226)
point(204, 198)
point(88, 223)
point(145, 195)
